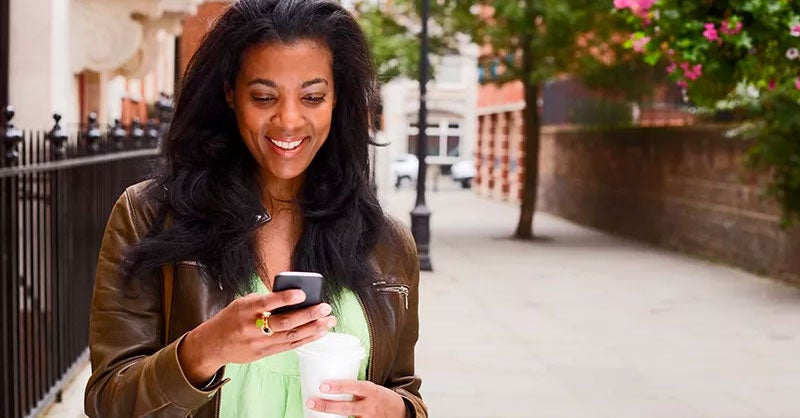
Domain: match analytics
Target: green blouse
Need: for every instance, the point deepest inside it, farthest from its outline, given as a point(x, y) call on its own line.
point(270, 387)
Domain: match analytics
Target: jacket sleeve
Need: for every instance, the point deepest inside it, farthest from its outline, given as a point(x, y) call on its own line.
point(401, 376)
point(133, 374)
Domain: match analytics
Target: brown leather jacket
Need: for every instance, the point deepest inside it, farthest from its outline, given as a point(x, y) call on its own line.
point(135, 374)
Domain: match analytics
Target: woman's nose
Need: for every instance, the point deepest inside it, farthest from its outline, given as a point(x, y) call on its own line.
point(289, 116)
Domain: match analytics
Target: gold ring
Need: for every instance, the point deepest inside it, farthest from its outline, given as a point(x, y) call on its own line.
point(263, 323)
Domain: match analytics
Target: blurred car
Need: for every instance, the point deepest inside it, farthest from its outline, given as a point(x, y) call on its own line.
point(463, 172)
point(405, 167)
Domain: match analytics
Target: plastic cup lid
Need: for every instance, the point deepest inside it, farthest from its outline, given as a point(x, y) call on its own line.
point(334, 345)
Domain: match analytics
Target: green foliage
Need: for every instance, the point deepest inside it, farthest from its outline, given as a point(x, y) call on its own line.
point(561, 37)
point(394, 42)
point(556, 36)
point(395, 51)
point(775, 126)
point(749, 63)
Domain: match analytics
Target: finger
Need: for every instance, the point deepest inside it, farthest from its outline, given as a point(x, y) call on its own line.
point(304, 341)
point(287, 321)
point(358, 388)
point(305, 331)
point(279, 348)
point(347, 408)
point(258, 302)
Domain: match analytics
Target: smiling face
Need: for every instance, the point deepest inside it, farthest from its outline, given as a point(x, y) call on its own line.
point(283, 99)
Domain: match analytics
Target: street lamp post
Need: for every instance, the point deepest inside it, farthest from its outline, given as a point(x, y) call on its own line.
point(420, 216)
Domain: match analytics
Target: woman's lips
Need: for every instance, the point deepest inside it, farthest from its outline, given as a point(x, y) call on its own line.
point(287, 147)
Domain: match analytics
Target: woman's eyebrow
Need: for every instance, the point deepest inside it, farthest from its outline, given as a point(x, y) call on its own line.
point(270, 83)
point(314, 81)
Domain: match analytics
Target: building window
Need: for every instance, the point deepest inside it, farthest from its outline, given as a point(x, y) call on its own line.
point(444, 139)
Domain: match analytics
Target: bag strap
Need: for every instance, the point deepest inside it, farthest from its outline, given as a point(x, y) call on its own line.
point(167, 282)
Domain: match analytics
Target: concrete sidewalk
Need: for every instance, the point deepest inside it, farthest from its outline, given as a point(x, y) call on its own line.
point(584, 325)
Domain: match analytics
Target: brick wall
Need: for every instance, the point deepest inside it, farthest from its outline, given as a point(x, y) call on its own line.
point(681, 188)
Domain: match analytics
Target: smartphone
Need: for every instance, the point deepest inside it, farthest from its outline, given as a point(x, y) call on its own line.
point(310, 283)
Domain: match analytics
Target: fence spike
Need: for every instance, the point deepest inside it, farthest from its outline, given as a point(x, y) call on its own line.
point(118, 134)
point(58, 137)
point(11, 138)
point(152, 133)
point(93, 134)
point(137, 133)
point(165, 108)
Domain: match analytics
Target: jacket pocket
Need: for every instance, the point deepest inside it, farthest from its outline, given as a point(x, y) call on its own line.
point(387, 288)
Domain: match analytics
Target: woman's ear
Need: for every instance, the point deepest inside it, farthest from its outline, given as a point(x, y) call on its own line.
point(229, 96)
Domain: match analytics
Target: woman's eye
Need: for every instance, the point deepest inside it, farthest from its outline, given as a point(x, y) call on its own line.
point(315, 99)
point(263, 99)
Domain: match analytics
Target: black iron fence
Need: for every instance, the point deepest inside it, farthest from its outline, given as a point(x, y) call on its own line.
point(56, 191)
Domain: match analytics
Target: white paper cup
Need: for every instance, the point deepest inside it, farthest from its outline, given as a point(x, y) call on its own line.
point(332, 357)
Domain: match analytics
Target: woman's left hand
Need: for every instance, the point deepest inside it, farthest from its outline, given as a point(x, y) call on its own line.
point(369, 400)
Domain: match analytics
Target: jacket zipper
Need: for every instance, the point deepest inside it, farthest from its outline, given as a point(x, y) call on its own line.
point(371, 342)
point(400, 289)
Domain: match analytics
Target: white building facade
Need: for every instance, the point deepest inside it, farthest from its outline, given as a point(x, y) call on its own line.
point(78, 56)
point(451, 121)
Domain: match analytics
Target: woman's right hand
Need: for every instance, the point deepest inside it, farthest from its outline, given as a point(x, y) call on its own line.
point(231, 336)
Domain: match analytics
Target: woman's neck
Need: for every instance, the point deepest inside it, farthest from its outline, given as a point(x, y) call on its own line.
point(281, 194)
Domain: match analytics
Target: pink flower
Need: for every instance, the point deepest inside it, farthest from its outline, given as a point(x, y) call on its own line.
point(772, 84)
point(639, 44)
point(692, 73)
point(622, 4)
point(797, 83)
point(646, 4)
point(729, 28)
point(698, 69)
point(795, 30)
point(638, 7)
point(671, 68)
point(682, 84)
point(711, 33)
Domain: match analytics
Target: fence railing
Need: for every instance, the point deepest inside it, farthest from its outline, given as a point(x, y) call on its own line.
point(56, 191)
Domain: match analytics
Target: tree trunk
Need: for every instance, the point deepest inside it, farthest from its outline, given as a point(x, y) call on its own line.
point(531, 126)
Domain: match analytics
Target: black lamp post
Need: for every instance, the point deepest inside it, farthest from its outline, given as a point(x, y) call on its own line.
point(420, 216)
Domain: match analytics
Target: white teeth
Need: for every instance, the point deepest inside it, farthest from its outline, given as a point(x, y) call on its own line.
point(286, 145)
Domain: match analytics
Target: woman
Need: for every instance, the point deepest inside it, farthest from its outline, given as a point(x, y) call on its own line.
point(266, 170)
